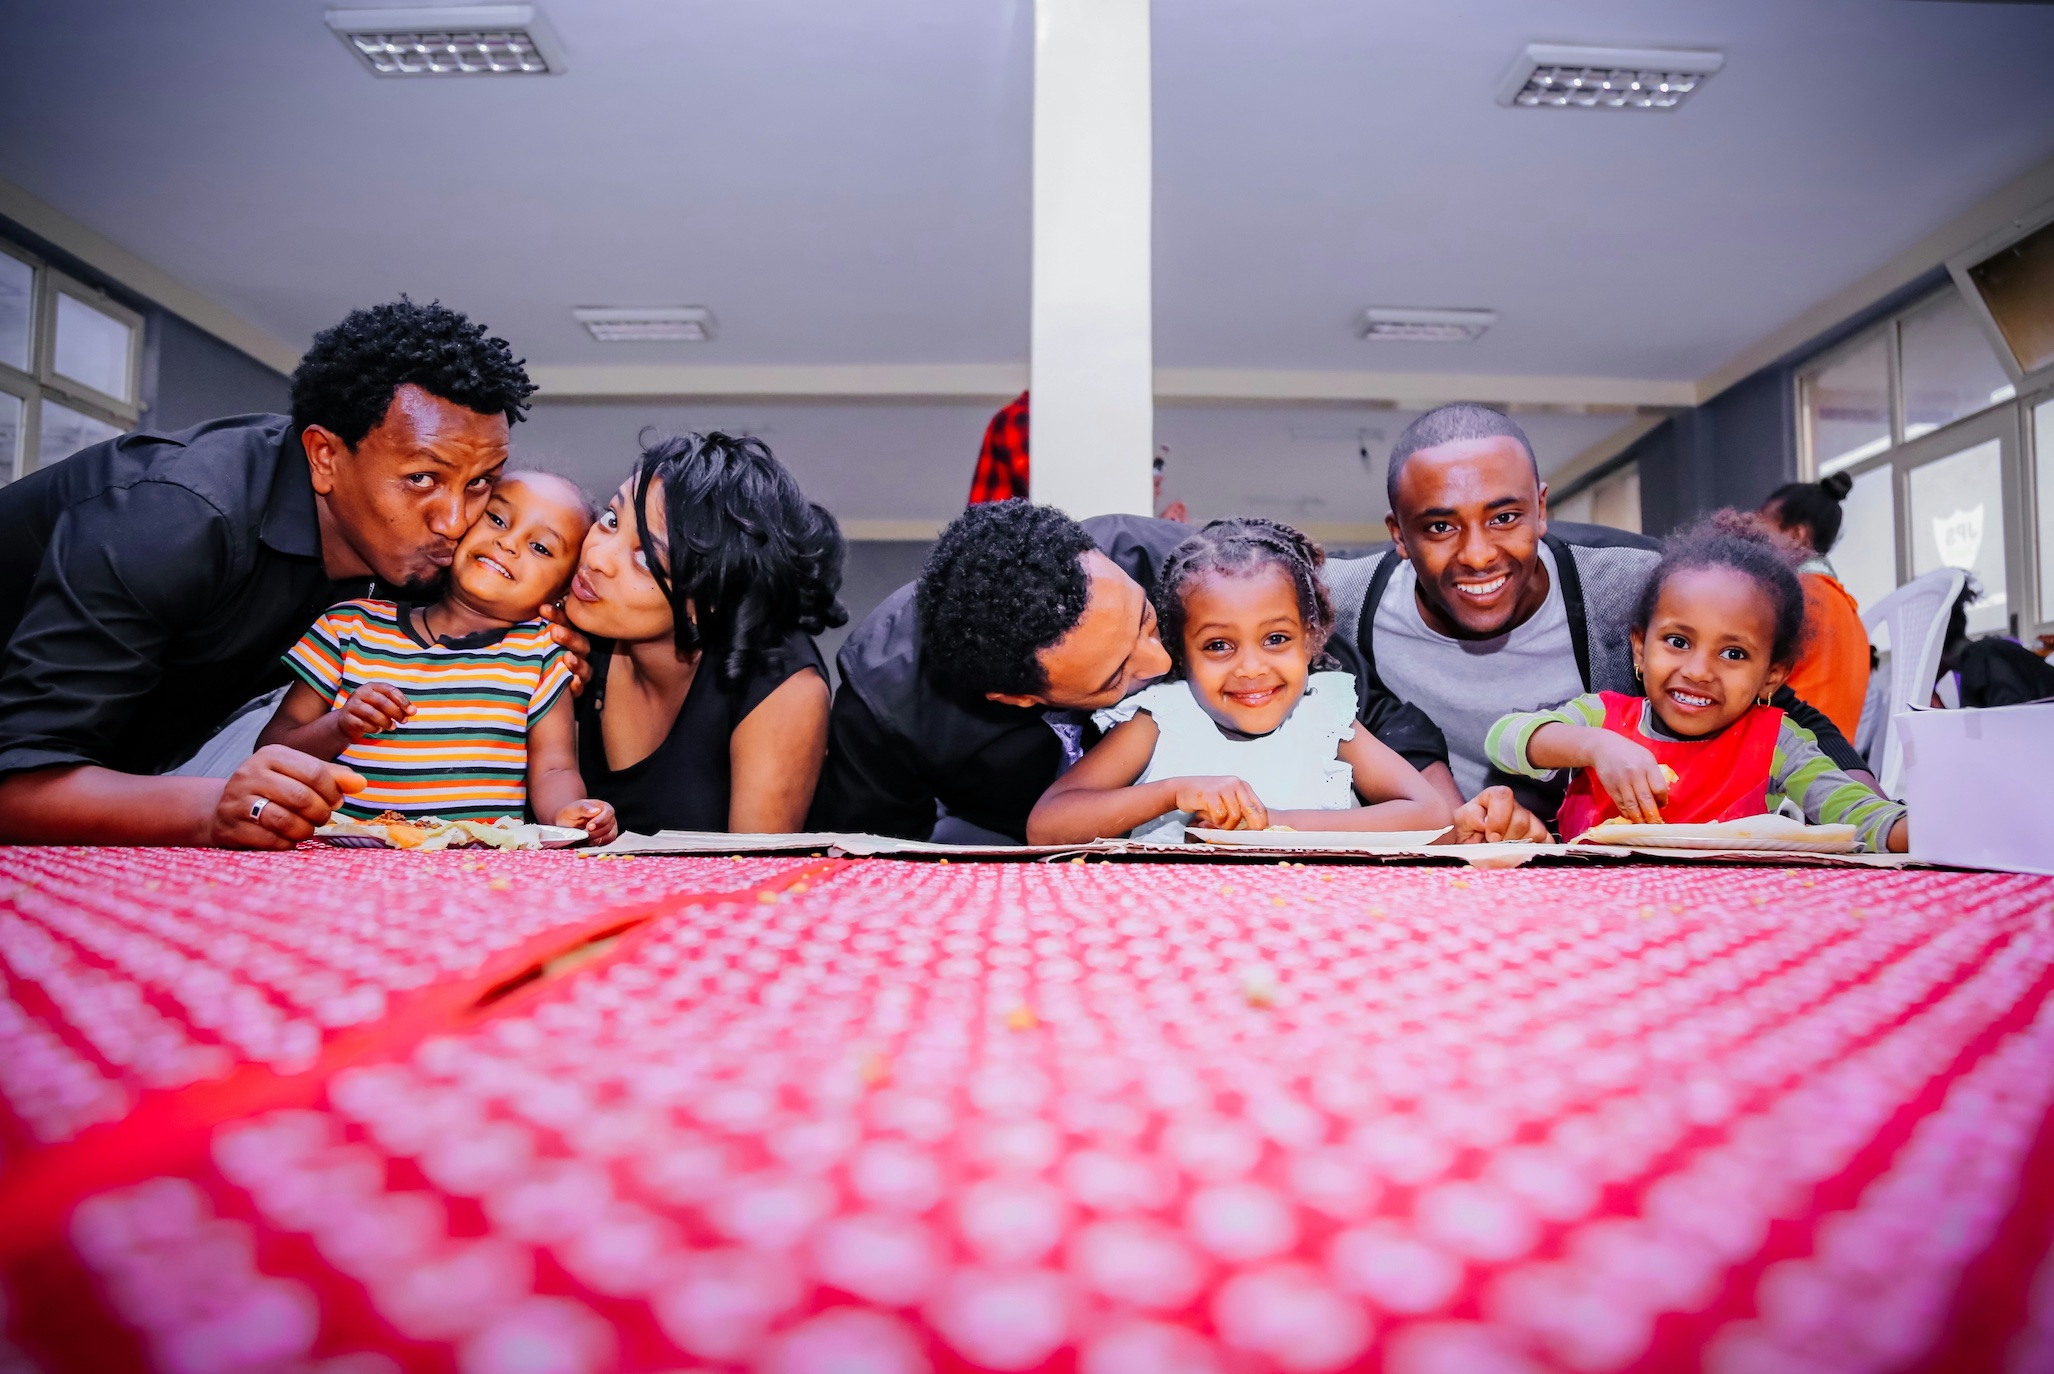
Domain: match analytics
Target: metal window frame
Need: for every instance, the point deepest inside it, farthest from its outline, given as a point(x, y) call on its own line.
point(70, 390)
point(1959, 266)
point(1805, 376)
point(2029, 480)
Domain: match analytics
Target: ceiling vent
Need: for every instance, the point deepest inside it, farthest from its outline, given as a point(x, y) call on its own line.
point(1556, 76)
point(659, 324)
point(1424, 326)
point(451, 40)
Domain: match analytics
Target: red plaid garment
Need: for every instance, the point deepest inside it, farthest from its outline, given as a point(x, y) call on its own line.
point(1002, 462)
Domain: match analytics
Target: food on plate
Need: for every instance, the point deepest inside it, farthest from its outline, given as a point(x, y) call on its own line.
point(430, 833)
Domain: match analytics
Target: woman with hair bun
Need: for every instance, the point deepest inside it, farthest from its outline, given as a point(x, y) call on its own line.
point(1832, 672)
point(701, 586)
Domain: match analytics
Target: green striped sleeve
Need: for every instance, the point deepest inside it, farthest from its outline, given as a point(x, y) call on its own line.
point(1505, 745)
point(1827, 796)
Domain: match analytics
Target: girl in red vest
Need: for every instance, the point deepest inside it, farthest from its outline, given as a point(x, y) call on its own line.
point(1718, 629)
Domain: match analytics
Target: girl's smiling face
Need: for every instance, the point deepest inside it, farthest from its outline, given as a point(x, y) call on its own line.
point(1705, 655)
point(1246, 651)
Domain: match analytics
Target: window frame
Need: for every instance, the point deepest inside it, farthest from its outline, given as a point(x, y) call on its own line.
point(2009, 421)
point(41, 381)
point(70, 389)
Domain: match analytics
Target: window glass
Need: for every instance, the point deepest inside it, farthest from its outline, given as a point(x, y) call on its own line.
point(1847, 406)
point(1866, 556)
point(92, 348)
point(2043, 461)
point(10, 436)
point(17, 293)
point(1957, 521)
point(65, 431)
point(1950, 370)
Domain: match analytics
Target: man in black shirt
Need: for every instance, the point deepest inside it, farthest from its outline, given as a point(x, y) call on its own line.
point(1041, 621)
point(149, 584)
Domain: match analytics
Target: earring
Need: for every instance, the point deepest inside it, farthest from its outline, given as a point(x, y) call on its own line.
point(1761, 701)
point(1636, 672)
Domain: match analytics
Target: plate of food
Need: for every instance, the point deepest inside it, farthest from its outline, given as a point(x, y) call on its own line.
point(1768, 833)
point(391, 830)
point(1283, 837)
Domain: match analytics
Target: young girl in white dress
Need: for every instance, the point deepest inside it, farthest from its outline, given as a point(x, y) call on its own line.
point(1247, 732)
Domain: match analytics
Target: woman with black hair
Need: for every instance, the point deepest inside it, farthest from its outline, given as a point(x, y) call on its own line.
point(1832, 672)
point(701, 587)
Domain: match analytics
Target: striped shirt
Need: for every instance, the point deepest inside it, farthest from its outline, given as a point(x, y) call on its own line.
point(1798, 771)
point(463, 755)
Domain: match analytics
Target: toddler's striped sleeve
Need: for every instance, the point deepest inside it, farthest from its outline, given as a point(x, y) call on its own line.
point(1802, 772)
point(317, 659)
point(1505, 745)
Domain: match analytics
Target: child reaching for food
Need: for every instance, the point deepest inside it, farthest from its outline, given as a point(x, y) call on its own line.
point(458, 710)
point(1245, 734)
point(1717, 630)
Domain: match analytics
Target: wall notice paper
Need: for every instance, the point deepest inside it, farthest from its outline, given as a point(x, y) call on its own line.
point(1975, 780)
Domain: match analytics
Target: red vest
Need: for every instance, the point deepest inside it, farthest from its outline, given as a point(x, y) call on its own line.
point(1720, 779)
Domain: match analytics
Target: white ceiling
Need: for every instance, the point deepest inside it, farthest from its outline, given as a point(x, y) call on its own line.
point(849, 183)
point(912, 462)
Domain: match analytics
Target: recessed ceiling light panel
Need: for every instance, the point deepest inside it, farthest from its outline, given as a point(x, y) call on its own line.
point(451, 40)
point(661, 324)
point(1556, 76)
point(1424, 326)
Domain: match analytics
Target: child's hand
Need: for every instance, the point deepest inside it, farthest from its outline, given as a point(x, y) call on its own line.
point(373, 709)
point(595, 818)
point(1637, 785)
point(1222, 804)
point(1492, 816)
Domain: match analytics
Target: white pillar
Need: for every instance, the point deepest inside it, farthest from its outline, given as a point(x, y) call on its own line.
point(1092, 439)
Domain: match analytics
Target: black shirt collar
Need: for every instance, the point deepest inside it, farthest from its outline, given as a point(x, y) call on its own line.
point(292, 520)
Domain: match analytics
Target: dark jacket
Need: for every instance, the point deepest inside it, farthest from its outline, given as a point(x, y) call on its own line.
point(1603, 572)
point(898, 745)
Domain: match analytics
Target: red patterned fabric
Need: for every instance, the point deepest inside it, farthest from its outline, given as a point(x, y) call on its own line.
point(1725, 778)
point(1002, 463)
point(1110, 1119)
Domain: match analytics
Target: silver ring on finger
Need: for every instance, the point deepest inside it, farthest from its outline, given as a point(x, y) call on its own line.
point(257, 809)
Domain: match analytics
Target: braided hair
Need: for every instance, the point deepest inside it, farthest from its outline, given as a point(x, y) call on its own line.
point(1731, 539)
point(1236, 548)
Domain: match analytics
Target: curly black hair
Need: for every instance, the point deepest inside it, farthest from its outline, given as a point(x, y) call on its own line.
point(1235, 548)
point(746, 559)
point(346, 380)
point(1006, 580)
point(1731, 539)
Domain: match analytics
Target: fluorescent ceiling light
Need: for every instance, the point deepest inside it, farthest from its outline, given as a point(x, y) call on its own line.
point(451, 40)
point(1425, 326)
point(676, 324)
point(1555, 76)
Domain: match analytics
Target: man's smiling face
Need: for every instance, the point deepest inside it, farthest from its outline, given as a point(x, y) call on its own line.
point(1469, 516)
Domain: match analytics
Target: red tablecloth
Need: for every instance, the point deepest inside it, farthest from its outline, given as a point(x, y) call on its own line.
point(315, 1112)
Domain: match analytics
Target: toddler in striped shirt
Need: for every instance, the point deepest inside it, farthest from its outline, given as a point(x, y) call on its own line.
point(459, 709)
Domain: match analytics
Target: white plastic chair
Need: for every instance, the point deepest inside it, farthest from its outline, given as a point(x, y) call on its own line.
point(1917, 614)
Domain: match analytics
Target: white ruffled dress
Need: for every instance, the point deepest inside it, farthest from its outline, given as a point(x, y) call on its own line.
point(1295, 767)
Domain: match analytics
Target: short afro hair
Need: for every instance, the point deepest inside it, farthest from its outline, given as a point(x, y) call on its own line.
point(1452, 424)
point(346, 381)
point(1006, 580)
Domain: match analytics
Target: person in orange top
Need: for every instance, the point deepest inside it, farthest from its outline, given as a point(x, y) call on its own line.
point(1832, 673)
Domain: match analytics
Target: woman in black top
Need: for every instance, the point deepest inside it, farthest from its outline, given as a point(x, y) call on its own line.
point(701, 586)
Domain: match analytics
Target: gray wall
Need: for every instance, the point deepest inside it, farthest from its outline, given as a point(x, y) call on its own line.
point(190, 376)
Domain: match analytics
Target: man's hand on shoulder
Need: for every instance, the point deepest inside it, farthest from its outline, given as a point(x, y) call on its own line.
point(277, 798)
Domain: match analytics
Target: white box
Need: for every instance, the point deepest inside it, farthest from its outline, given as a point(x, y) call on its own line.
point(1980, 785)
